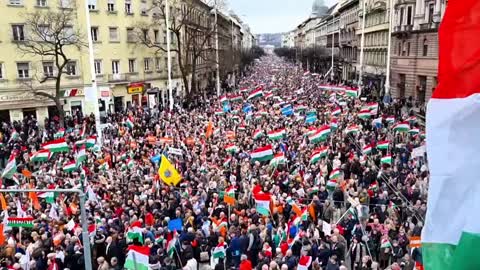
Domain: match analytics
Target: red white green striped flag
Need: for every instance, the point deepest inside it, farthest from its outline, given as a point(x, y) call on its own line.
point(59, 134)
point(20, 222)
point(320, 135)
point(220, 251)
point(41, 155)
point(401, 127)
point(231, 148)
point(262, 201)
point(258, 134)
point(451, 235)
point(262, 154)
point(352, 129)
point(91, 141)
point(256, 93)
point(364, 114)
point(367, 149)
point(337, 111)
point(318, 154)
point(386, 159)
point(69, 166)
point(278, 159)
point(352, 92)
point(55, 146)
point(129, 122)
point(236, 98)
point(390, 119)
point(137, 258)
point(383, 145)
point(276, 134)
point(334, 174)
point(10, 168)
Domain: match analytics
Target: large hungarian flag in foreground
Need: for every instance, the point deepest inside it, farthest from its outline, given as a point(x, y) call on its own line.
point(451, 236)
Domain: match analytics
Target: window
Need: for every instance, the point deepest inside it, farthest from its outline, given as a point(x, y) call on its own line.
point(430, 12)
point(41, 3)
point(425, 47)
point(132, 65)
point(15, 2)
point(147, 64)
point(115, 67)
point(18, 33)
point(130, 35)
point(113, 33)
point(22, 70)
point(409, 15)
point(402, 10)
point(158, 64)
point(143, 7)
point(128, 7)
point(145, 34)
point(71, 68)
point(65, 3)
point(94, 31)
point(166, 63)
point(97, 64)
point(1, 71)
point(92, 4)
point(399, 48)
point(155, 36)
point(111, 6)
point(48, 69)
point(408, 48)
point(404, 48)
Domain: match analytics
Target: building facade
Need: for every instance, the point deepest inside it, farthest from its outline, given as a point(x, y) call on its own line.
point(349, 42)
point(376, 43)
point(414, 51)
point(127, 72)
point(288, 39)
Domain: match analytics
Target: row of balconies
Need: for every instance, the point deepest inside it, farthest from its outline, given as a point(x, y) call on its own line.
point(409, 28)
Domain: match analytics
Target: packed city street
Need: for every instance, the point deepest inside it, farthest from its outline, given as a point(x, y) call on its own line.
point(239, 135)
point(284, 173)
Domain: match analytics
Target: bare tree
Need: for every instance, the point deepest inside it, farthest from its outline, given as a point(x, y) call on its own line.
point(51, 35)
point(192, 31)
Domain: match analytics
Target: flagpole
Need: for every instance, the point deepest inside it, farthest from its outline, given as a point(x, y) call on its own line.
point(390, 25)
point(169, 55)
point(362, 44)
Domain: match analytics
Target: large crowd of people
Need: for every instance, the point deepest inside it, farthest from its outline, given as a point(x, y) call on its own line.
point(287, 172)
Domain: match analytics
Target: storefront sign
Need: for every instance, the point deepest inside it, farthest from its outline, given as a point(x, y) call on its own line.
point(21, 97)
point(135, 88)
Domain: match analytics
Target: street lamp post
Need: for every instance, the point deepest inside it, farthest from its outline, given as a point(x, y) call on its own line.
point(83, 217)
point(390, 26)
point(93, 92)
point(169, 55)
point(216, 50)
point(362, 44)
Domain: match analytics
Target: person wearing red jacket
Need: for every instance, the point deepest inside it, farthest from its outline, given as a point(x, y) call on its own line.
point(245, 263)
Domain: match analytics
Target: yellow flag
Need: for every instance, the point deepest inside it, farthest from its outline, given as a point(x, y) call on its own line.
point(168, 173)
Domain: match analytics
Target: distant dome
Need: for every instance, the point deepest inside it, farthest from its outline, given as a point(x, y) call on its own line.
point(319, 8)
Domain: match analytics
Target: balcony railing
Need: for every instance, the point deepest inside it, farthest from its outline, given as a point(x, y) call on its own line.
point(402, 28)
point(428, 26)
point(118, 78)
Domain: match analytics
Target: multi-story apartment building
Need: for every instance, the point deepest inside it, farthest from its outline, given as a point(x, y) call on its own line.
point(376, 42)
point(288, 39)
point(415, 48)
point(124, 71)
point(348, 10)
point(127, 72)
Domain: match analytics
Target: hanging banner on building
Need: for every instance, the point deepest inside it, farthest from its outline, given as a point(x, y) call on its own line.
point(135, 88)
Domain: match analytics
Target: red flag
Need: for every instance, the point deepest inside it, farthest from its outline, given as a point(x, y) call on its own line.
point(459, 55)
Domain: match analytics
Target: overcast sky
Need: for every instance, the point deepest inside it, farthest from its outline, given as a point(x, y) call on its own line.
point(273, 16)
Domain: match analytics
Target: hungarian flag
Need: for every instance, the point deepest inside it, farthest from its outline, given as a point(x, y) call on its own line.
point(55, 146)
point(229, 196)
point(451, 236)
point(304, 263)
point(91, 141)
point(262, 154)
point(10, 168)
point(137, 258)
point(40, 156)
point(262, 201)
